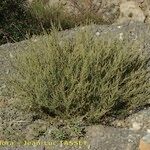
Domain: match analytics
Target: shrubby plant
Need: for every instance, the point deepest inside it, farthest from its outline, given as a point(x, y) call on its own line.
point(84, 78)
point(50, 14)
point(20, 18)
point(71, 13)
point(15, 21)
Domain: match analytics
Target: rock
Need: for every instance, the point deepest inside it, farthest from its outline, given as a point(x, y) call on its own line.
point(139, 120)
point(130, 10)
point(148, 131)
point(121, 36)
point(97, 33)
point(136, 126)
point(145, 143)
point(145, 6)
point(105, 138)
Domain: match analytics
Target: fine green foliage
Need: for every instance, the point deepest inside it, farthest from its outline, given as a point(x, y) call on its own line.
point(67, 132)
point(60, 134)
point(83, 78)
point(50, 14)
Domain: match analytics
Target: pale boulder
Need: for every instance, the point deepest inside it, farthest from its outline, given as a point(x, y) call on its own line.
point(130, 11)
point(145, 143)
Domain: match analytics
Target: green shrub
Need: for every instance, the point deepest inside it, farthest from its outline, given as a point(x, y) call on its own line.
point(50, 14)
point(83, 78)
point(19, 19)
point(71, 13)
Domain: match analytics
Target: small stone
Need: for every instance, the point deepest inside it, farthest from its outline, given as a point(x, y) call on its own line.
point(145, 143)
point(82, 28)
point(148, 130)
point(118, 27)
point(121, 36)
point(119, 124)
point(136, 126)
point(130, 141)
point(34, 40)
point(89, 146)
point(7, 72)
point(3, 86)
point(97, 33)
point(10, 54)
